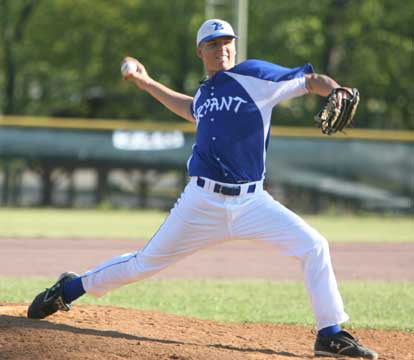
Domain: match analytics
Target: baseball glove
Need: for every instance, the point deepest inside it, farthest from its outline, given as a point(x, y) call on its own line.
point(338, 110)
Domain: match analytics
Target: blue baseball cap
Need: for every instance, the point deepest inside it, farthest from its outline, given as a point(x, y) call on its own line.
point(214, 28)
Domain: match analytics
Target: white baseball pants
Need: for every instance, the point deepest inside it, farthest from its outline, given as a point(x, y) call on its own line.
point(202, 218)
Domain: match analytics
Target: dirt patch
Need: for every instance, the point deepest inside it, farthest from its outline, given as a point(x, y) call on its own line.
point(90, 332)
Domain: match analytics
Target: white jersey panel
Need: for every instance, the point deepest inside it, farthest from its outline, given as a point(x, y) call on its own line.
point(269, 93)
point(266, 94)
point(193, 110)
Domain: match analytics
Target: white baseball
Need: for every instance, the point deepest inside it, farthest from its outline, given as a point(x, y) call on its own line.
point(128, 67)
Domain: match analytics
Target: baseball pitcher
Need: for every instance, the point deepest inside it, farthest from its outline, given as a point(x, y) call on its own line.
point(224, 198)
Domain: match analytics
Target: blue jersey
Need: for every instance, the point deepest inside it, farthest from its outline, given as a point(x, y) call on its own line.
point(233, 115)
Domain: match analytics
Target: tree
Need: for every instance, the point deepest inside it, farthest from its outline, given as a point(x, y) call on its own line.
point(366, 44)
point(13, 23)
point(62, 57)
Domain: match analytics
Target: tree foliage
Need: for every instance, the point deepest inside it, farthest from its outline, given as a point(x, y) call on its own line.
point(62, 57)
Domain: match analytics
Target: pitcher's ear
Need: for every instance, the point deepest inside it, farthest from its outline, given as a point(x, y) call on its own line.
point(198, 51)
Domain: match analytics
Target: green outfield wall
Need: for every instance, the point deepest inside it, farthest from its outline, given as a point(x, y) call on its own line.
point(373, 169)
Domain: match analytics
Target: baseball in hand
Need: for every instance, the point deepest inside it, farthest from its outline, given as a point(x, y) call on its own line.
point(128, 67)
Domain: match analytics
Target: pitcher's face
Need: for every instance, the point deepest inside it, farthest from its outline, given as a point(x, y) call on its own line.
point(217, 54)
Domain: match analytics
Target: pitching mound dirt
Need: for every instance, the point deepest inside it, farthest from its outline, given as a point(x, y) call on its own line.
point(90, 332)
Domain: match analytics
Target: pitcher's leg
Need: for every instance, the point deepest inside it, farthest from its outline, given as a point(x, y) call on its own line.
point(167, 246)
point(321, 283)
point(267, 220)
point(195, 222)
point(198, 220)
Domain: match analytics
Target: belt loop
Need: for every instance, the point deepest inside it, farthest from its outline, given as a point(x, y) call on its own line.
point(201, 182)
point(217, 188)
point(251, 188)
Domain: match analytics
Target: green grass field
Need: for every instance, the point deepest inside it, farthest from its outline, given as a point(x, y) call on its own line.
point(376, 305)
point(125, 224)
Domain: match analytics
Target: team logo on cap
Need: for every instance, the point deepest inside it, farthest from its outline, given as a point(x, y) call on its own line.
point(217, 26)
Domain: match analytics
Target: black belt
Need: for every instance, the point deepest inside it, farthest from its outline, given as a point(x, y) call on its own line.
point(226, 190)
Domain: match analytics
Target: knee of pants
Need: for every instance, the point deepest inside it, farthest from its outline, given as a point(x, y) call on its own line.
point(154, 262)
point(314, 242)
point(320, 241)
point(319, 251)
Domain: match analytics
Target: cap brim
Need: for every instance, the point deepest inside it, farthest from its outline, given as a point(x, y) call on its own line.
point(213, 36)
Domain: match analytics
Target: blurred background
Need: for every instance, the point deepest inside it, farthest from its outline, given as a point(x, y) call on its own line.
point(73, 134)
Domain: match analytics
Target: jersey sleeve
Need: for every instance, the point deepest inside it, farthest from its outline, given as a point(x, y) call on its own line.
point(194, 105)
point(192, 112)
point(272, 83)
